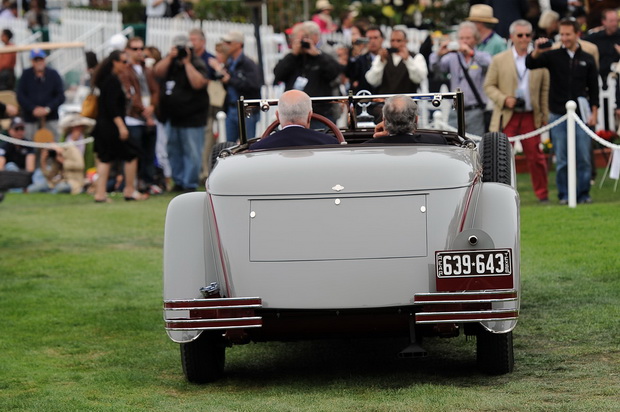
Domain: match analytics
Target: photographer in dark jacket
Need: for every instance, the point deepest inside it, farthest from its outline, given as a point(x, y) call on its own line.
point(574, 76)
point(308, 69)
point(241, 77)
point(183, 107)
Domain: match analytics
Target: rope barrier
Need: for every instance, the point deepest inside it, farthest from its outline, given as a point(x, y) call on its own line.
point(441, 124)
point(28, 143)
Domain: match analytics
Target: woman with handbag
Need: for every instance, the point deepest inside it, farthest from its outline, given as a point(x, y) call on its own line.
point(112, 141)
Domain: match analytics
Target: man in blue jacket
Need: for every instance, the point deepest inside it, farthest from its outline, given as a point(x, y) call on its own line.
point(40, 92)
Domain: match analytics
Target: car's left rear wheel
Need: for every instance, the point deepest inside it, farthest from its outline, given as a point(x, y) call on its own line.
point(203, 359)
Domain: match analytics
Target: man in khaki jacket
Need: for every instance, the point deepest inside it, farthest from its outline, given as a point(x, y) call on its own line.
point(520, 101)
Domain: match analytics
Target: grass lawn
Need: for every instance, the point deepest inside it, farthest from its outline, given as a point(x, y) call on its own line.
point(82, 328)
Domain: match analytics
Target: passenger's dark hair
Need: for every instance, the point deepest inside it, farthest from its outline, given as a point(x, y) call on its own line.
point(571, 21)
point(104, 70)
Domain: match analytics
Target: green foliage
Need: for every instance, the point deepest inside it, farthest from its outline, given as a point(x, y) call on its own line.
point(133, 12)
point(235, 11)
point(82, 328)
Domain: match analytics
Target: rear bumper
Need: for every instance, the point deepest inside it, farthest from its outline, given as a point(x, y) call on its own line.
point(212, 314)
point(471, 306)
point(428, 308)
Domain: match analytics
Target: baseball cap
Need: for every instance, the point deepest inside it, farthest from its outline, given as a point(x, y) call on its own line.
point(17, 121)
point(35, 53)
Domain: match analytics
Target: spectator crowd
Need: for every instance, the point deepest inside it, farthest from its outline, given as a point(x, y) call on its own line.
point(516, 64)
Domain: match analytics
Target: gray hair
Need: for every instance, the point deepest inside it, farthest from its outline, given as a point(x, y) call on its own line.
point(520, 23)
point(296, 111)
point(471, 26)
point(308, 28)
point(400, 114)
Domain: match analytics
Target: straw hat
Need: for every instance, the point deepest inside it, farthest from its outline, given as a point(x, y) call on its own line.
point(74, 119)
point(324, 5)
point(482, 13)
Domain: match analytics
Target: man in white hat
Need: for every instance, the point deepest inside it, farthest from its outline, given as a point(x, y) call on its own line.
point(482, 16)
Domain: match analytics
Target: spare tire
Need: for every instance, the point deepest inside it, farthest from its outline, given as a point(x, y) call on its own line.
point(215, 152)
point(496, 155)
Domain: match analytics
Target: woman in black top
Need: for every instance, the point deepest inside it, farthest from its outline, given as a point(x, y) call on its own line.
point(111, 135)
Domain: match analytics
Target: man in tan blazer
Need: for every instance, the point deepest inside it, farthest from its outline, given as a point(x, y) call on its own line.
point(520, 101)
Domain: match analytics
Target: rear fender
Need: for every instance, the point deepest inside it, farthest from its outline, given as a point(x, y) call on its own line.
point(497, 214)
point(189, 259)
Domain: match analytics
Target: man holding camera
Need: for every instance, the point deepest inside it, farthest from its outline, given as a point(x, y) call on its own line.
point(396, 69)
point(573, 76)
point(183, 108)
point(307, 68)
point(520, 101)
point(467, 67)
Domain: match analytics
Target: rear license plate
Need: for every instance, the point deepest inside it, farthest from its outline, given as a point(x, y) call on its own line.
point(495, 262)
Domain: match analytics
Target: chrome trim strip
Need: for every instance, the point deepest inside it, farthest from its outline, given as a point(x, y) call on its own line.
point(469, 292)
point(473, 320)
point(490, 300)
point(214, 328)
point(216, 307)
point(470, 312)
point(218, 320)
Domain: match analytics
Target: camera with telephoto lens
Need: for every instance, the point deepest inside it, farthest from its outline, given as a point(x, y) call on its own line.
point(519, 105)
point(305, 44)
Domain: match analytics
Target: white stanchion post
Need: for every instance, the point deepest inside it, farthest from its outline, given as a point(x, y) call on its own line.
point(437, 117)
point(221, 127)
point(571, 152)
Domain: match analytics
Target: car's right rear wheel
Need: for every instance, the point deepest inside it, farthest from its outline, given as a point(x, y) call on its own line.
point(496, 154)
point(203, 359)
point(495, 353)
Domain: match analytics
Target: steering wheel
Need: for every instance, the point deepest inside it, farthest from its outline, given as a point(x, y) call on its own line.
point(330, 125)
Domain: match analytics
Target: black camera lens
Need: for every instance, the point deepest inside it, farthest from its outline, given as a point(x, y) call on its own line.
point(305, 44)
point(182, 52)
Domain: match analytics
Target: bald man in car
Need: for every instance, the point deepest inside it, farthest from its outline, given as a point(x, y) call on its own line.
point(294, 114)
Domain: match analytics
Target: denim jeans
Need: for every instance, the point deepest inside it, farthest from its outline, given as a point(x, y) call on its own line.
point(145, 138)
point(185, 154)
point(584, 162)
point(232, 124)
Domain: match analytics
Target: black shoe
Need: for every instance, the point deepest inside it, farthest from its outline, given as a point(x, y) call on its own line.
point(178, 189)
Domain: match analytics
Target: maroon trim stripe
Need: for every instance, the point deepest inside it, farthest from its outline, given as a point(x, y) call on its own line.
point(220, 324)
point(463, 297)
point(470, 193)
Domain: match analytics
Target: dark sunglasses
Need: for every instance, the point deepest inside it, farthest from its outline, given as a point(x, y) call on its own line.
point(18, 128)
point(524, 34)
point(38, 59)
point(136, 48)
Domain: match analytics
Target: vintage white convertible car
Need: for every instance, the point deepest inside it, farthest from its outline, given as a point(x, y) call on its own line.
point(350, 240)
